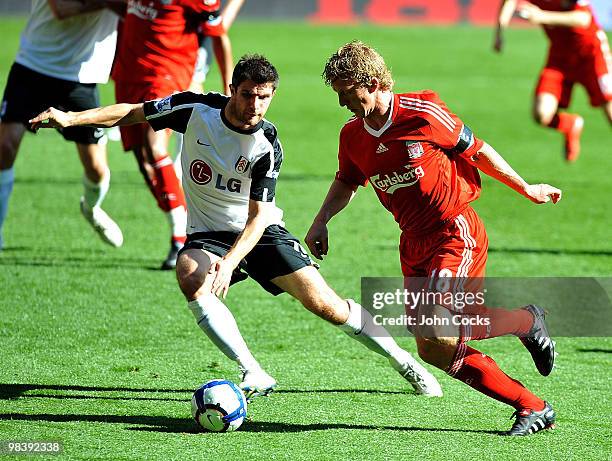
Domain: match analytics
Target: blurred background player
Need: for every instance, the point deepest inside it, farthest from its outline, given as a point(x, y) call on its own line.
point(205, 50)
point(66, 48)
point(579, 53)
point(156, 57)
point(423, 162)
point(202, 67)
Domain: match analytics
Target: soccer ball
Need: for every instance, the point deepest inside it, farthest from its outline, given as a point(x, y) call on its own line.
point(219, 406)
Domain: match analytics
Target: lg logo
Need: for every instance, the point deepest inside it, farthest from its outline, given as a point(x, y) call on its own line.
point(201, 173)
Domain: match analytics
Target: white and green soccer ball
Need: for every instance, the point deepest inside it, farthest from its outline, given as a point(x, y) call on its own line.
point(219, 406)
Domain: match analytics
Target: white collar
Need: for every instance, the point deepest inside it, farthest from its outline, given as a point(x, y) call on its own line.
point(378, 133)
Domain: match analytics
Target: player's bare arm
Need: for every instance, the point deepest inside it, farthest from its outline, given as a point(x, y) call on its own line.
point(257, 221)
point(338, 197)
point(536, 15)
point(491, 163)
point(222, 47)
point(63, 9)
point(102, 117)
point(230, 12)
point(506, 10)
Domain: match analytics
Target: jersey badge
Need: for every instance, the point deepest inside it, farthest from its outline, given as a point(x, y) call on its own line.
point(242, 165)
point(163, 104)
point(415, 149)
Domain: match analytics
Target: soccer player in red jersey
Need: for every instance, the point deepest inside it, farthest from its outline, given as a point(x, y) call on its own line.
point(423, 163)
point(156, 57)
point(579, 53)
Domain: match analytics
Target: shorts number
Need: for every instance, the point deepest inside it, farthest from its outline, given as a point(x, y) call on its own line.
point(442, 282)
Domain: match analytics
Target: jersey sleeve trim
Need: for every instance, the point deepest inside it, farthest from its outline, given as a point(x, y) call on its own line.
point(431, 108)
point(266, 169)
point(175, 111)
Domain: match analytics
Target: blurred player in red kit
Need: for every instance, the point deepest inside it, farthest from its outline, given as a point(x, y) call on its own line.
point(156, 56)
point(579, 53)
point(423, 163)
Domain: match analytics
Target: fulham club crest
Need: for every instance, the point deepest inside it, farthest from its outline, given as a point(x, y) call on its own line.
point(414, 148)
point(242, 165)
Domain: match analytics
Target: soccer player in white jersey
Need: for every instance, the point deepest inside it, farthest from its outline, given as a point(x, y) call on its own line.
point(231, 160)
point(67, 47)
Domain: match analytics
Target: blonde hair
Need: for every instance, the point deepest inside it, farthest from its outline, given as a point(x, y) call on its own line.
point(358, 62)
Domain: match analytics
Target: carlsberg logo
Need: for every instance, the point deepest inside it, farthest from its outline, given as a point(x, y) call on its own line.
point(389, 183)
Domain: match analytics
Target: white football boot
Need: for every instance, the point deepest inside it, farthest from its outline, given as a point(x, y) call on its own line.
point(107, 229)
point(422, 381)
point(256, 382)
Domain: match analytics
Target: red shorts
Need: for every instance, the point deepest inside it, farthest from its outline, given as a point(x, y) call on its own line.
point(458, 250)
point(593, 71)
point(134, 93)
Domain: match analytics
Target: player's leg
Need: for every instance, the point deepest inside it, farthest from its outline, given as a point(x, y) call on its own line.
point(279, 263)
point(145, 168)
point(168, 190)
point(91, 147)
point(553, 92)
point(216, 320)
point(599, 76)
point(608, 111)
point(443, 344)
point(26, 94)
point(96, 182)
point(11, 135)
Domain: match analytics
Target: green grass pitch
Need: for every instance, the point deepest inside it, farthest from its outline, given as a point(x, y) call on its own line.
point(99, 350)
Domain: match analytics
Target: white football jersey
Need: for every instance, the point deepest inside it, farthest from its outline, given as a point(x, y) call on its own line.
point(223, 167)
point(79, 48)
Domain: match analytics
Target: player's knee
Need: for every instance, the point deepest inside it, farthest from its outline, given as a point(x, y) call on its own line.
point(190, 278)
point(543, 117)
point(438, 352)
point(436, 323)
point(8, 151)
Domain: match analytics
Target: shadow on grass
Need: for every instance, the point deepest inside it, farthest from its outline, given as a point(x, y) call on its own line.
point(187, 426)
point(91, 262)
point(552, 251)
point(597, 350)
point(15, 391)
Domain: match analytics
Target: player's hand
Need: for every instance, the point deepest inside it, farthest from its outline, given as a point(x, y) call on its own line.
point(51, 118)
point(222, 270)
point(543, 193)
point(530, 12)
point(316, 240)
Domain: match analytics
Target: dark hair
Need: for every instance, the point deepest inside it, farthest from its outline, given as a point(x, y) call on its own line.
point(256, 68)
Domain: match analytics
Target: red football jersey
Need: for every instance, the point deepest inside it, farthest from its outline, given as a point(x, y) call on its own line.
point(417, 163)
point(159, 39)
point(570, 40)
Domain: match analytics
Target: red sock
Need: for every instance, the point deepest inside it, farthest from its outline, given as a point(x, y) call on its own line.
point(563, 122)
point(501, 322)
point(480, 371)
point(169, 193)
